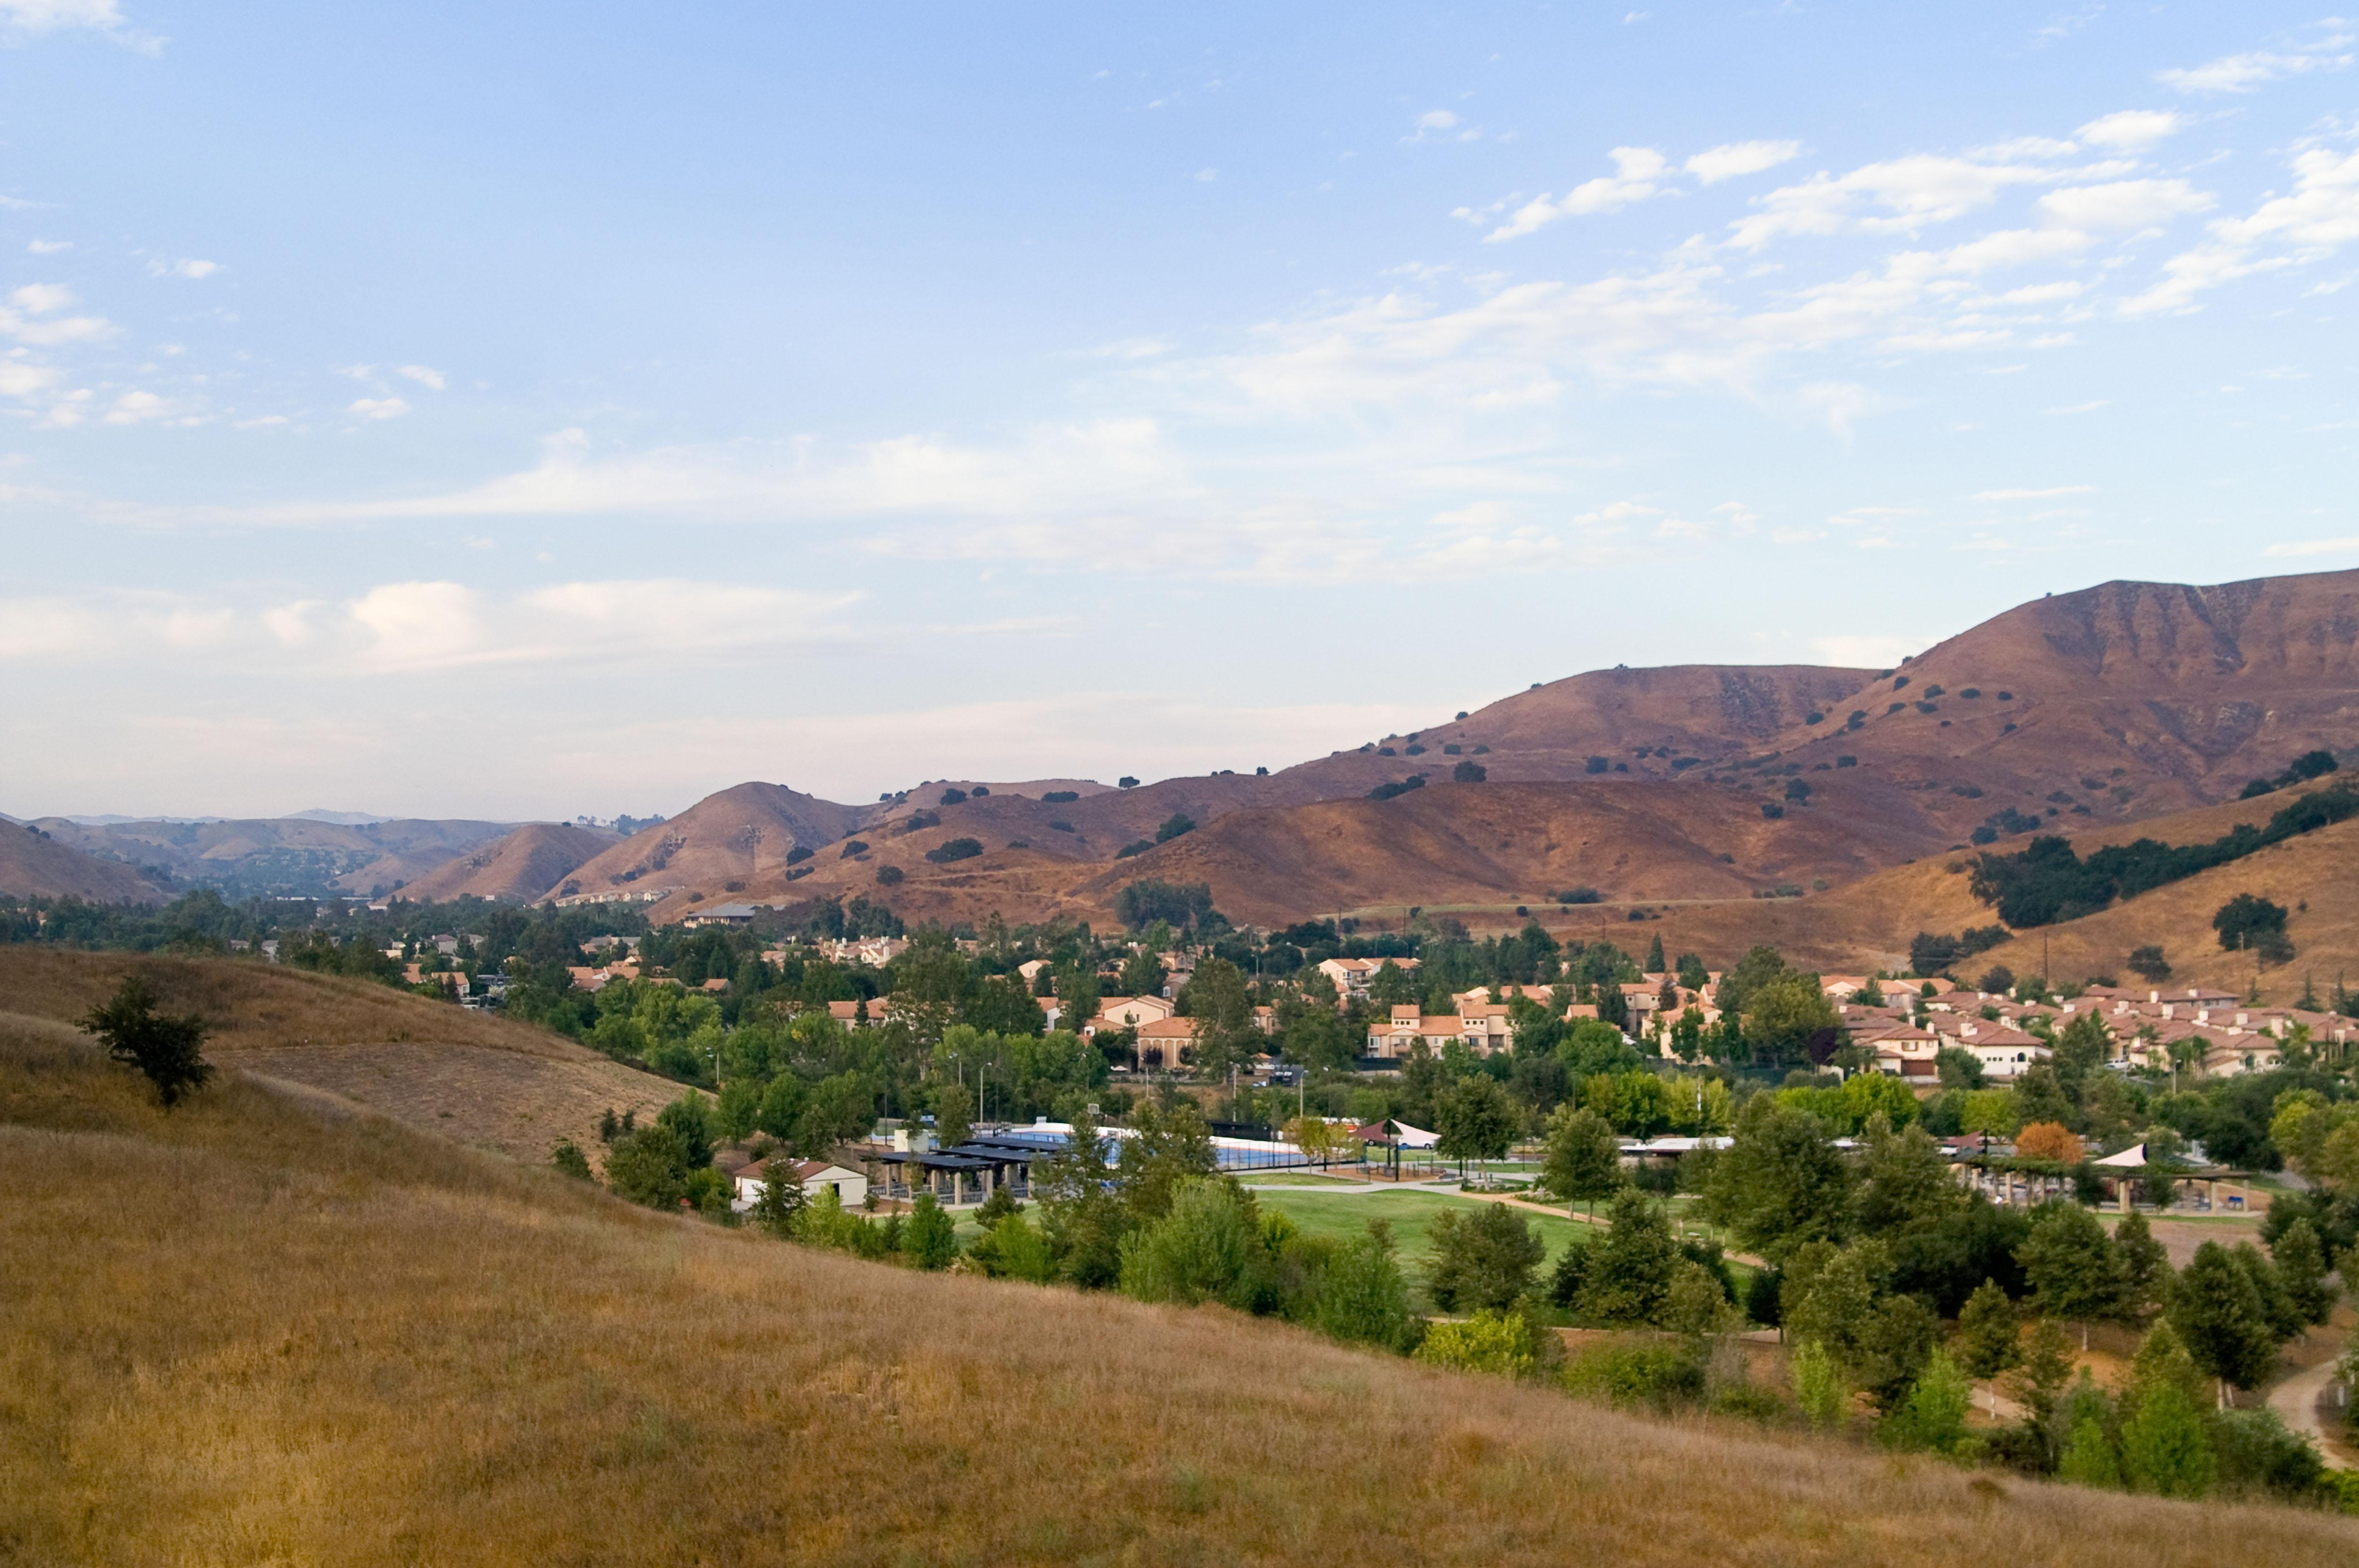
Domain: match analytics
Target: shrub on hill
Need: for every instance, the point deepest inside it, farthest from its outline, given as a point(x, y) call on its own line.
point(2048, 881)
point(1139, 847)
point(1148, 900)
point(1469, 772)
point(1174, 825)
point(1062, 796)
point(954, 849)
point(1387, 791)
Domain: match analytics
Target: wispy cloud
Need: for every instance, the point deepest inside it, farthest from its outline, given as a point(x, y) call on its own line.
point(2257, 69)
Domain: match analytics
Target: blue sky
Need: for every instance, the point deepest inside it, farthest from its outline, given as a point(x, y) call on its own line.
point(539, 409)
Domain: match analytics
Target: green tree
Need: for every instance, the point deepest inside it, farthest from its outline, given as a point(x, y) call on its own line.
point(1391, 986)
point(2283, 1319)
point(1788, 1015)
point(1207, 1246)
point(1477, 1120)
point(2219, 1316)
point(2045, 1367)
point(1631, 1270)
point(1217, 998)
point(1818, 1386)
point(2144, 1268)
point(1989, 1335)
point(567, 1157)
point(1904, 1179)
point(1480, 1258)
point(1780, 1182)
point(1084, 1217)
point(1497, 1342)
point(1362, 1297)
point(929, 1240)
point(1932, 1414)
point(2038, 1097)
point(954, 1112)
point(2164, 1447)
point(2301, 1271)
point(169, 1050)
point(2089, 1459)
point(653, 1165)
point(2070, 1263)
point(778, 1203)
point(1012, 1249)
point(1167, 1149)
point(1584, 1158)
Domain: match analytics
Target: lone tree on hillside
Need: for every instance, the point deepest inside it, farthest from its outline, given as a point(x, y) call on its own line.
point(168, 1050)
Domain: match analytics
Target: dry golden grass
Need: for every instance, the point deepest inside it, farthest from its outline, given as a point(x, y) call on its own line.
point(473, 1078)
point(269, 1329)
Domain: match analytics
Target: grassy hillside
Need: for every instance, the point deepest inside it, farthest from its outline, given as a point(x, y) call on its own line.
point(474, 1079)
point(274, 1329)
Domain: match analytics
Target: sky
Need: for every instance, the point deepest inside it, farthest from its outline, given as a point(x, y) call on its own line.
point(536, 410)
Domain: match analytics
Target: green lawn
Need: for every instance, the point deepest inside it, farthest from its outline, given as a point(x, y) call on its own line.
point(1410, 1214)
point(1297, 1179)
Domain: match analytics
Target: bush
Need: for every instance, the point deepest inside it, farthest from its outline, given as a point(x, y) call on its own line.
point(1580, 895)
point(1388, 790)
point(1139, 847)
point(568, 1157)
point(2256, 1454)
point(1482, 1258)
point(890, 876)
point(1175, 826)
point(1660, 1374)
point(1208, 1248)
point(1934, 1416)
point(167, 1051)
point(1363, 1299)
point(1062, 796)
point(1469, 772)
point(954, 849)
point(1495, 1342)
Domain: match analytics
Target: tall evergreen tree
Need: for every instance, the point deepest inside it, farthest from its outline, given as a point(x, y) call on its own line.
point(2219, 1316)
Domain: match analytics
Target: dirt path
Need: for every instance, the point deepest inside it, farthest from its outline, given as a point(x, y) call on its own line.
point(2296, 1401)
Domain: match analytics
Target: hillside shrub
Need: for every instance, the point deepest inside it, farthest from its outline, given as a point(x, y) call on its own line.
point(1062, 796)
point(954, 849)
point(1497, 1342)
point(2048, 880)
point(1658, 1373)
point(1388, 790)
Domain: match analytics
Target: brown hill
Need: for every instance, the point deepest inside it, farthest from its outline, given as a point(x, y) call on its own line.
point(481, 1080)
point(517, 869)
point(364, 858)
point(1504, 844)
point(2131, 698)
point(33, 864)
point(212, 1311)
point(1867, 925)
point(739, 837)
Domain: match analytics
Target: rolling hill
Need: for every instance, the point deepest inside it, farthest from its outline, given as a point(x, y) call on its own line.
point(34, 864)
point(478, 1080)
point(519, 868)
point(271, 1326)
point(296, 852)
point(732, 838)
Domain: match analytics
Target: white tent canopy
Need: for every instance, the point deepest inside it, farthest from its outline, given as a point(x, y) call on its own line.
point(1415, 1138)
point(2129, 1159)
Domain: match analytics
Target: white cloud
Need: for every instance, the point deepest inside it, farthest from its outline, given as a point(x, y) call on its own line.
point(424, 376)
point(21, 379)
point(2244, 72)
point(40, 298)
point(141, 408)
point(2090, 407)
point(57, 16)
point(1716, 164)
point(2132, 130)
point(2314, 547)
point(1895, 196)
point(2048, 495)
point(2122, 205)
point(1638, 174)
point(30, 316)
point(2318, 219)
point(1441, 126)
point(378, 407)
point(190, 267)
point(48, 247)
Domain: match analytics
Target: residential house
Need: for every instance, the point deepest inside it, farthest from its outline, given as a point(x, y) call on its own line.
point(1351, 975)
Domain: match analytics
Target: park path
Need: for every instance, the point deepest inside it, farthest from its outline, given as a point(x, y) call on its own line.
point(2296, 1401)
